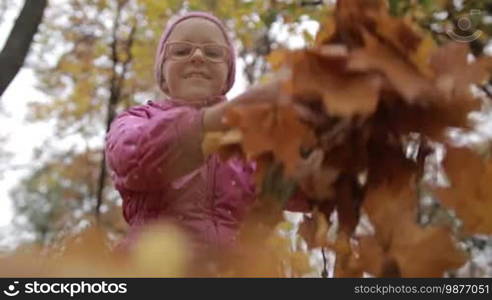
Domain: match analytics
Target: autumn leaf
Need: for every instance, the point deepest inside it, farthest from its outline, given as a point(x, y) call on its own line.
point(348, 201)
point(263, 251)
point(405, 36)
point(470, 192)
point(222, 142)
point(371, 256)
point(401, 75)
point(255, 123)
point(276, 59)
point(162, 250)
point(414, 251)
point(346, 264)
point(271, 128)
point(321, 73)
point(455, 73)
point(425, 252)
point(422, 56)
point(316, 178)
point(386, 205)
point(357, 95)
point(326, 32)
point(314, 229)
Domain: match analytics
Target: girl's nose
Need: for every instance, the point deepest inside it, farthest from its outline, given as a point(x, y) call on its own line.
point(197, 56)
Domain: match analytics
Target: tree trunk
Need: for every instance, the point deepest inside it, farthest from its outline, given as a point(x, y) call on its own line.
point(19, 41)
point(116, 88)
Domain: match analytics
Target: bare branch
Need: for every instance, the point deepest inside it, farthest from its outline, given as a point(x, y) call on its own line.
point(18, 44)
point(117, 83)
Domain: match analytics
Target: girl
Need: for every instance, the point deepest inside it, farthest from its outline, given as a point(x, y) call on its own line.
point(154, 150)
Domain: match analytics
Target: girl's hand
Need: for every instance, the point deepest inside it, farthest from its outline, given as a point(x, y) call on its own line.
point(266, 92)
point(261, 93)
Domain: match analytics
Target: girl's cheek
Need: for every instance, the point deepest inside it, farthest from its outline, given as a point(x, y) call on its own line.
point(174, 74)
point(221, 74)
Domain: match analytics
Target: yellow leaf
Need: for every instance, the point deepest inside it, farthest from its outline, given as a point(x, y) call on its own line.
point(277, 58)
point(162, 250)
point(213, 141)
point(421, 58)
point(326, 31)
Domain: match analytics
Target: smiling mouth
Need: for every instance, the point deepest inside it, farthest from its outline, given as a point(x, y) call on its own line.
point(196, 75)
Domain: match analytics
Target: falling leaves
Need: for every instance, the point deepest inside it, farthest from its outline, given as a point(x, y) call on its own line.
point(370, 81)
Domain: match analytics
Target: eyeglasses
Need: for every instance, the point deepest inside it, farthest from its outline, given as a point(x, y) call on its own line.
point(184, 50)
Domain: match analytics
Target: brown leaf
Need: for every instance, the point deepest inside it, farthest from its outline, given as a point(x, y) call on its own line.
point(455, 74)
point(321, 73)
point(402, 76)
point(316, 179)
point(326, 31)
point(352, 15)
point(313, 72)
point(314, 229)
point(371, 255)
point(346, 264)
point(407, 39)
point(348, 201)
point(413, 251)
point(425, 252)
point(255, 123)
point(470, 193)
point(358, 94)
point(271, 128)
point(276, 58)
point(387, 204)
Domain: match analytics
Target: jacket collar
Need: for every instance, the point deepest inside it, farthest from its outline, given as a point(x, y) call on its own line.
point(195, 103)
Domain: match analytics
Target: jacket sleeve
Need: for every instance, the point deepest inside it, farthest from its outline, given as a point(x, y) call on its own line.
point(147, 148)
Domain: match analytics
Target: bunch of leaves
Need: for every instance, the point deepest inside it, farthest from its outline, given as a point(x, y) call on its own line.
point(373, 86)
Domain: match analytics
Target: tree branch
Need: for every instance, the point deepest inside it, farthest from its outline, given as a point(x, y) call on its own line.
point(18, 44)
point(116, 86)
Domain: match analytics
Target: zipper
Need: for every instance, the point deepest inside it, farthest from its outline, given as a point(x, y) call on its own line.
point(211, 195)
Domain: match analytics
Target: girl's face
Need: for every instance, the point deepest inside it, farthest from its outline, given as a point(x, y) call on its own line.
point(196, 77)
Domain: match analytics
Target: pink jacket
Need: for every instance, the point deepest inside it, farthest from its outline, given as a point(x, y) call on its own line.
point(155, 160)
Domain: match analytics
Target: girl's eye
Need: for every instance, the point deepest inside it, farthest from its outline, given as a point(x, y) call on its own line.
point(214, 52)
point(180, 50)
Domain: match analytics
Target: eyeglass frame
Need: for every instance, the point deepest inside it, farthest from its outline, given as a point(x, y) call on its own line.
point(195, 46)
